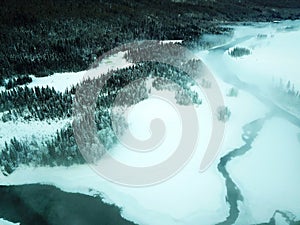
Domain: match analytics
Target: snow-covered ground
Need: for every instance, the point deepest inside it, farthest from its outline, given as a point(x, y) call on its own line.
point(30, 130)
point(244, 108)
point(275, 53)
point(268, 174)
point(5, 222)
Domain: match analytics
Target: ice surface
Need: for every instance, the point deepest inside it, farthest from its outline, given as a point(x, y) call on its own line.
point(268, 174)
point(274, 57)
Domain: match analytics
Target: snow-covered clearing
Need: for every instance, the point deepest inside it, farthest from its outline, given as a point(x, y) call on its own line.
point(30, 130)
point(5, 222)
point(62, 81)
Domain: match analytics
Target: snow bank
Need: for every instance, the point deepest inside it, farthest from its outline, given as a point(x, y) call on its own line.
point(5, 222)
point(62, 81)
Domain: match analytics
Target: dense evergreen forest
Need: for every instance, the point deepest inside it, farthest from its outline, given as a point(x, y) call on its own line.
point(41, 37)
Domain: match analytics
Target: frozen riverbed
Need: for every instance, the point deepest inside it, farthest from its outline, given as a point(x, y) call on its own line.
point(267, 175)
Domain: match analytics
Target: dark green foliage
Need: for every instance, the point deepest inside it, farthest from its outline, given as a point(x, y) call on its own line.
point(35, 103)
point(43, 73)
point(39, 37)
point(122, 78)
point(60, 151)
point(233, 92)
point(63, 150)
point(287, 96)
point(239, 52)
point(67, 37)
point(262, 36)
point(14, 154)
point(119, 89)
point(19, 80)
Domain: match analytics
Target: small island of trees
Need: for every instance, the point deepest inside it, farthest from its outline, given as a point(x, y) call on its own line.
point(239, 52)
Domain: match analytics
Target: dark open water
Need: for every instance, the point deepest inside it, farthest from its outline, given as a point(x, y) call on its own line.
point(37, 204)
